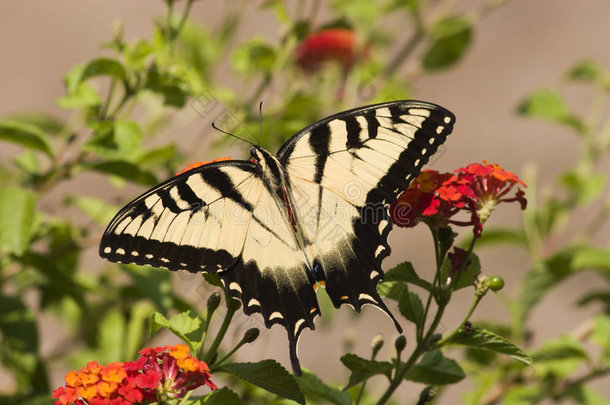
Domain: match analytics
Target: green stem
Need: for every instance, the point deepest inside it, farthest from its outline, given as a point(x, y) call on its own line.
point(423, 341)
point(221, 332)
point(185, 14)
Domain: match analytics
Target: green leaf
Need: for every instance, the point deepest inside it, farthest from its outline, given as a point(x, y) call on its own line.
point(213, 279)
point(188, 326)
point(17, 220)
point(25, 134)
point(152, 283)
point(451, 38)
point(487, 340)
point(586, 395)
point(119, 140)
point(268, 375)
point(46, 123)
point(469, 274)
point(254, 55)
point(393, 290)
point(316, 390)
point(222, 396)
point(436, 369)
point(96, 208)
point(584, 185)
point(559, 358)
point(523, 395)
point(83, 96)
point(19, 349)
point(411, 307)
point(544, 276)
point(139, 313)
point(590, 257)
point(363, 369)
point(103, 67)
point(601, 335)
point(496, 236)
point(549, 105)
point(405, 272)
point(125, 170)
point(586, 71)
point(172, 89)
point(158, 156)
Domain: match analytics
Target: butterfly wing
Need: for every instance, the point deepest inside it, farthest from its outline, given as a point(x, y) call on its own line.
point(220, 218)
point(344, 171)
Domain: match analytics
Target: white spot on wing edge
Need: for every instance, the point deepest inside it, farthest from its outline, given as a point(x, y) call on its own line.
point(275, 315)
point(107, 249)
point(254, 303)
point(120, 251)
point(379, 249)
point(149, 256)
point(382, 225)
point(297, 325)
point(367, 297)
point(439, 129)
point(235, 287)
point(135, 253)
point(373, 274)
point(447, 120)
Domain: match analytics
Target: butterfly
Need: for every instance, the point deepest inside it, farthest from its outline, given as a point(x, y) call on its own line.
point(275, 227)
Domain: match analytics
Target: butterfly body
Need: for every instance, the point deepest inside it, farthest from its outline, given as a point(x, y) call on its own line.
point(276, 226)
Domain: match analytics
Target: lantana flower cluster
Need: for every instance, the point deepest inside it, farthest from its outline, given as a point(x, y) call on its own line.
point(159, 374)
point(476, 189)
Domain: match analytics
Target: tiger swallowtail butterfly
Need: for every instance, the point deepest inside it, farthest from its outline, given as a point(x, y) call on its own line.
point(275, 227)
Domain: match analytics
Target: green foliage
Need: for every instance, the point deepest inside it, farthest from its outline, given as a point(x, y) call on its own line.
point(120, 106)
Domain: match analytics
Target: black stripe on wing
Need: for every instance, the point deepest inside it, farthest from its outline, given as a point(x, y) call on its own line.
point(177, 197)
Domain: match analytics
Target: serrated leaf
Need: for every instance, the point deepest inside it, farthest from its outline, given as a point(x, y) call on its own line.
point(405, 272)
point(393, 290)
point(436, 369)
point(125, 170)
point(315, 389)
point(363, 369)
point(451, 38)
point(222, 396)
point(544, 276)
point(485, 339)
point(25, 134)
point(188, 326)
point(548, 104)
point(268, 375)
point(17, 220)
point(411, 307)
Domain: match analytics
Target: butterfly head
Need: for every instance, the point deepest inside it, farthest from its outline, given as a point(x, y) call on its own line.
point(256, 155)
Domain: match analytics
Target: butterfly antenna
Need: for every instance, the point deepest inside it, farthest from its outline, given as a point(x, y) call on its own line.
point(260, 122)
point(230, 134)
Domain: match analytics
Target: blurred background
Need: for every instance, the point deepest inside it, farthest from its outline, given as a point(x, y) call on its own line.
point(515, 48)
